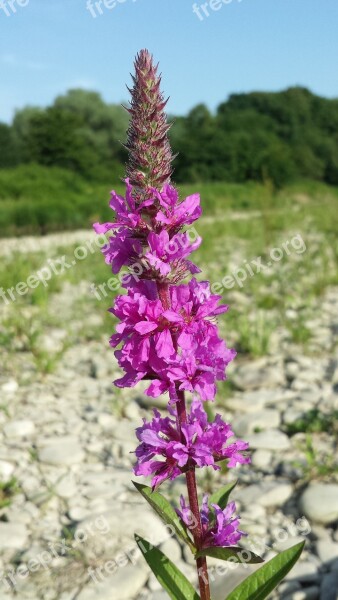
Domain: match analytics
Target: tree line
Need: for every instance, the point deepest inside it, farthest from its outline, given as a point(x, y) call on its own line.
point(259, 136)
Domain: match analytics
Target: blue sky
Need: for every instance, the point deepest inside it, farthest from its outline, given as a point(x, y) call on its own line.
point(49, 46)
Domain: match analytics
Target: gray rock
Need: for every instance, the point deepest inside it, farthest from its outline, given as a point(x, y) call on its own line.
point(329, 587)
point(272, 439)
point(309, 593)
point(124, 584)
point(172, 550)
point(304, 571)
point(267, 494)
point(256, 374)
point(252, 401)
point(262, 459)
point(160, 595)
point(19, 429)
point(63, 451)
point(6, 470)
point(263, 419)
point(13, 536)
point(66, 487)
point(327, 551)
point(113, 530)
point(320, 502)
point(10, 387)
point(226, 576)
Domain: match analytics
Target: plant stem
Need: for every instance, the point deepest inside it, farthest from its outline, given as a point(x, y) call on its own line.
point(201, 563)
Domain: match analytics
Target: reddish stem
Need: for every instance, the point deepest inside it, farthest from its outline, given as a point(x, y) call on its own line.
point(201, 563)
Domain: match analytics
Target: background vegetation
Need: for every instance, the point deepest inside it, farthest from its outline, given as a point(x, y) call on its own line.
point(58, 164)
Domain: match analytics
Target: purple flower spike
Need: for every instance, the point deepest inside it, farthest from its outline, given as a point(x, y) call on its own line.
point(150, 155)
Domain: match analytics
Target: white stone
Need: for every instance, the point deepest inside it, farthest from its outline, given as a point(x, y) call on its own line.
point(263, 419)
point(258, 373)
point(272, 439)
point(262, 459)
point(124, 584)
point(277, 495)
point(6, 470)
point(21, 428)
point(63, 451)
point(320, 502)
point(66, 487)
point(172, 550)
point(327, 551)
point(10, 387)
point(113, 530)
point(267, 493)
point(303, 571)
point(13, 535)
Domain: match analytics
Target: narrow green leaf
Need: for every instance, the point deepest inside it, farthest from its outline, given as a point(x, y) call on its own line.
point(165, 511)
point(221, 497)
point(169, 576)
point(234, 553)
point(261, 583)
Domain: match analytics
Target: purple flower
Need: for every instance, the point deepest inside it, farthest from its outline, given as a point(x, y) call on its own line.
point(165, 253)
point(218, 529)
point(121, 250)
point(179, 346)
point(166, 452)
point(128, 212)
point(175, 214)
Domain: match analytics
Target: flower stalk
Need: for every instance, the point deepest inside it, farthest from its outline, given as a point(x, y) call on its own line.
point(167, 336)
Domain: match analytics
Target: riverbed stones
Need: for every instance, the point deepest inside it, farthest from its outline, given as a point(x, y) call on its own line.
point(320, 502)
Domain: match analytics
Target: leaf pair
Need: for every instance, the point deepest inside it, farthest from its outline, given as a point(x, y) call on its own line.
point(257, 586)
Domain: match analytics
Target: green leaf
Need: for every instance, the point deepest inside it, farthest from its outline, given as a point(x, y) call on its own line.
point(261, 583)
point(165, 511)
point(234, 553)
point(169, 576)
point(221, 497)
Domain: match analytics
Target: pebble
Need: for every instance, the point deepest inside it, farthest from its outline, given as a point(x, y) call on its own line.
point(124, 584)
point(64, 451)
point(309, 593)
point(257, 374)
point(327, 551)
point(320, 502)
point(19, 429)
point(6, 470)
point(272, 439)
point(263, 419)
point(10, 387)
point(13, 535)
point(262, 459)
point(304, 571)
point(329, 587)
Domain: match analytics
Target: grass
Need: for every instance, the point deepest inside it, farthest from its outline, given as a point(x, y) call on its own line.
point(7, 490)
point(232, 240)
point(315, 465)
point(314, 421)
point(37, 199)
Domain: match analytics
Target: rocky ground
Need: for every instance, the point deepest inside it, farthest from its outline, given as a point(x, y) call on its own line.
point(70, 511)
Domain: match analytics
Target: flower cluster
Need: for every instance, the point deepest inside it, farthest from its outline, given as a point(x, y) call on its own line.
point(147, 233)
point(219, 529)
point(176, 345)
point(165, 451)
